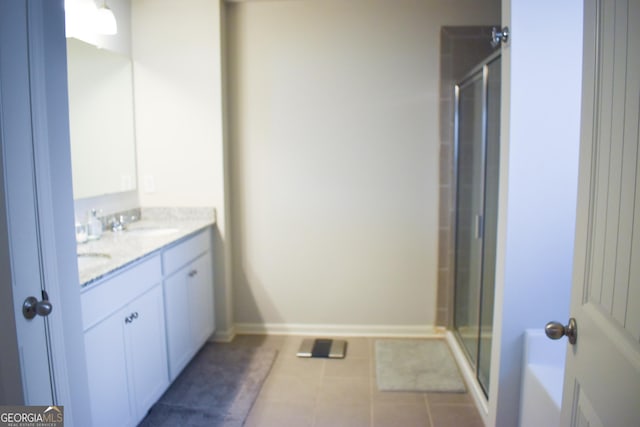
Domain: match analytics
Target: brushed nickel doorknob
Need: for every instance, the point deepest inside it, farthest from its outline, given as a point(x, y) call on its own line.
point(555, 330)
point(32, 307)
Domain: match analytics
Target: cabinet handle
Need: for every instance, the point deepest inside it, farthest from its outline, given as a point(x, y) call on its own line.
point(130, 318)
point(193, 273)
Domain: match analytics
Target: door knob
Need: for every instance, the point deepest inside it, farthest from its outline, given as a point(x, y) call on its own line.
point(32, 306)
point(555, 330)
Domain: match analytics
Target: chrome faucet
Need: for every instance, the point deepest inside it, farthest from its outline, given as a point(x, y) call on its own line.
point(118, 224)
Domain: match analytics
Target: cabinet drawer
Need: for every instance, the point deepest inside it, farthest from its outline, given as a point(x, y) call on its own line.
point(104, 298)
point(184, 252)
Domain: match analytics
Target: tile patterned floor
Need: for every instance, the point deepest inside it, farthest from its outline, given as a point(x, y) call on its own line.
point(323, 392)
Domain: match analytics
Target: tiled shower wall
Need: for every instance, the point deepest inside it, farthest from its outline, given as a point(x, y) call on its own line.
point(461, 48)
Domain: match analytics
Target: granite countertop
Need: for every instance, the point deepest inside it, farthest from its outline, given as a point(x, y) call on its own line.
point(117, 249)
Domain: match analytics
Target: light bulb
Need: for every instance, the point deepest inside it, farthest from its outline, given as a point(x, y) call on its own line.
point(106, 21)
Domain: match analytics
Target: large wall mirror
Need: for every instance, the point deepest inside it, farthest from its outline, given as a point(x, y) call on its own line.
point(101, 120)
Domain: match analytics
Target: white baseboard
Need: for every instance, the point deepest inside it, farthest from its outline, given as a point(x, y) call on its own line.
point(224, 336)
point(413, 331)
point(469, 377)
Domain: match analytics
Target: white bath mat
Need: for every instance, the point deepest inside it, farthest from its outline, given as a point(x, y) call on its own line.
point(417, 365)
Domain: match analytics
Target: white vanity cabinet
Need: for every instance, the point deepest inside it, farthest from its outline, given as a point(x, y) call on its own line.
point(143, 323)
point(123, 319)
point(188, 298)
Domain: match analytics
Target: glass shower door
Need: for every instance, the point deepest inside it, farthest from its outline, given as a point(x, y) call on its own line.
point(469, 206)
point(478, 155)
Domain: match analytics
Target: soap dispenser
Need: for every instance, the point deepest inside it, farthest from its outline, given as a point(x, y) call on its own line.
point(94, 225)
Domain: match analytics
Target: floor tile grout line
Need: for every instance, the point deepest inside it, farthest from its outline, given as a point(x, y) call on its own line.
point(471, 404)
point(428, 405)
point(316, 400)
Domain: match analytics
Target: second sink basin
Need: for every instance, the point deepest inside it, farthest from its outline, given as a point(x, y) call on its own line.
point(92, 259)
point(151, 231)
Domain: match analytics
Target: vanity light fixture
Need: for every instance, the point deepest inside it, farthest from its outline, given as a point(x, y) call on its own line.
point(106, 20)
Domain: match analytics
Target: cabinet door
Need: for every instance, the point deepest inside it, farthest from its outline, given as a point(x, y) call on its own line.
point(179, 341)
point(201, 299)
point(147, 350)
point(107, 373)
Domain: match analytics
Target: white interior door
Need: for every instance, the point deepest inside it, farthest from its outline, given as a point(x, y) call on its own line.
point(21, 199)
point(602, 376)
point(38, 244)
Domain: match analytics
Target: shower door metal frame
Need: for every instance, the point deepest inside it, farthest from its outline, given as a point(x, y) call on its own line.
point(483, 69)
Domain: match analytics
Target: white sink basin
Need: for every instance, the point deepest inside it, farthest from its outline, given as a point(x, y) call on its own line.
point(151, 232)
point(92, 259)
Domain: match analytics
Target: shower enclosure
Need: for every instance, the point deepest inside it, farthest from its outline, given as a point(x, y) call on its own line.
point(477, 151)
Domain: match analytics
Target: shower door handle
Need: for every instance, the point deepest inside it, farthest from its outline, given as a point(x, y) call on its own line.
point(478, 225)
point(499, 35)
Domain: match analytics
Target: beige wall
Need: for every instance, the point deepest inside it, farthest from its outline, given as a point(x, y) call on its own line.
point(177, 56)
point(335, 152)
point(176, 52)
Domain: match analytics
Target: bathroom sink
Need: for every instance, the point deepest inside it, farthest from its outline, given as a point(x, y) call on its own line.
point(92, 259)
point(151, 231)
